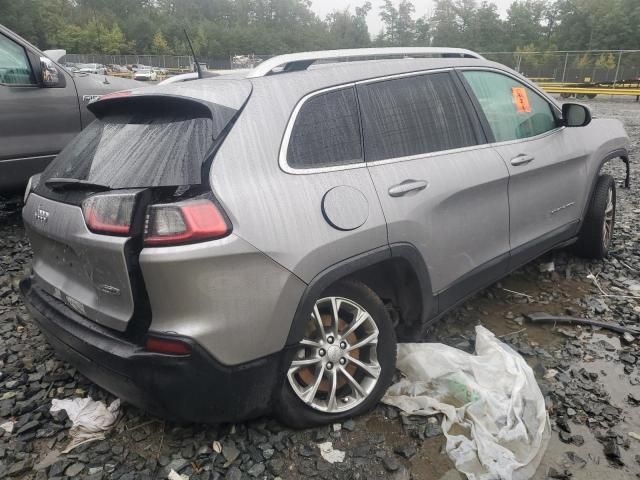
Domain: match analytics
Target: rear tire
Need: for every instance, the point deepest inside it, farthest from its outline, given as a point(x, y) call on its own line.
point(596, 234)
point(308, 396)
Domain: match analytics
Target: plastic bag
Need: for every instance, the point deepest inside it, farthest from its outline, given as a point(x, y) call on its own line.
point(90, 418)
point(495, 419)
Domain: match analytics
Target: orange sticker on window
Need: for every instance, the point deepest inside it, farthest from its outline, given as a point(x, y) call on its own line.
point(521, 99)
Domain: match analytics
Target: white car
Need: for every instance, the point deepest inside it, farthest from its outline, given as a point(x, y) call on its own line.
point(146, 74)
point(97, 68)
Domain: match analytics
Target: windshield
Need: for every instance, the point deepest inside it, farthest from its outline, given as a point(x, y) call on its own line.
point(139, 146)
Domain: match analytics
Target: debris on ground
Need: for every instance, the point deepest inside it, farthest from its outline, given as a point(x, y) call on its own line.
point(495, 419)
point(541, 317)
point(173, 475)
point(90, 419)
point(330, 454)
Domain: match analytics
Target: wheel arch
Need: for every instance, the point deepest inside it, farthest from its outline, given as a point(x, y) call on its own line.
point(622, 154)
point(396, 272)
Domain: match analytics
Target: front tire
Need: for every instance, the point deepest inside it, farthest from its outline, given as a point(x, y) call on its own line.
point(344, 363)
point(596, 234)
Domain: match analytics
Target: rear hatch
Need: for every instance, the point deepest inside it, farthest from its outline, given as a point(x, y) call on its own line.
point(86, 214)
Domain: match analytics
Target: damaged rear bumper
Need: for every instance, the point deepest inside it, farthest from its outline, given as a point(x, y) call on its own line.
point(188, 388)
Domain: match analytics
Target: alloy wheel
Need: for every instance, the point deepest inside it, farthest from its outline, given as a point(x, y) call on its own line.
point(336, 366)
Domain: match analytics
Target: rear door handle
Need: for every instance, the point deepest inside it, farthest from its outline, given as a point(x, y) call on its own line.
point(521, 159)
point(406, 187)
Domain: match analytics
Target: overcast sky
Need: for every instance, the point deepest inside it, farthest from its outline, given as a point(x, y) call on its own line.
point(323, 7)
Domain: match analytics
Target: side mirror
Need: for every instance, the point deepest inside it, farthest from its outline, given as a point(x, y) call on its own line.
point(50, 76)
point(575, 115)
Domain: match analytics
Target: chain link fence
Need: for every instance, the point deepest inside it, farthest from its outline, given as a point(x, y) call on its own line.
point(595, 66)
point(173, 62)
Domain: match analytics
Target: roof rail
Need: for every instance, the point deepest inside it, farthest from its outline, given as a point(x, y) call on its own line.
point(301, 61)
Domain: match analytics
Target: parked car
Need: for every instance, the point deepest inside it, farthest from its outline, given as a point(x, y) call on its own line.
point(117, 69)
point(43, 107)
point(145, 75)
point(187, 77)
point(232, 247)
point(96, 68)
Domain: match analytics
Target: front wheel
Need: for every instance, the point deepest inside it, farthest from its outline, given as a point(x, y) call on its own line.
point(596, 234)
point(345, 361)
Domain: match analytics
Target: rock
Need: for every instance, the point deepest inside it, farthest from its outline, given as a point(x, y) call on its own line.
point(563, 423)
point(433, 428)
point(320, 435)
point(564, 475)
point(28, 427)
point(406, 450)
point(234, 473)
point(390, 465)
point(256, 470)
point(306, 451)
point(565, 437)
point(275, 466)
point(349, 425)
point(612, 451)
point(19, 468)
point(577, 440)
point(187, 451)
point(230, 453)
point(74, 469)
point(627, 358)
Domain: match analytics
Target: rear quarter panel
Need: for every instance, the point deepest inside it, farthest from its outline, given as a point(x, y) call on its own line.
point(281, 213)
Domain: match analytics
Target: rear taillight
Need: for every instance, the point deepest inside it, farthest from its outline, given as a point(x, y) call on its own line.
point(109, 213)
point(33, 182)
point(184, 222)
point(167, 346)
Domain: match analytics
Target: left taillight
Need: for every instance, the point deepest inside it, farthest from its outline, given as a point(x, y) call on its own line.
point(184, 222)
point(109, 213)
point(33, 182)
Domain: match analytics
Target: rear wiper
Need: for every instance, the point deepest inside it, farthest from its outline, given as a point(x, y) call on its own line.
point(74, 184)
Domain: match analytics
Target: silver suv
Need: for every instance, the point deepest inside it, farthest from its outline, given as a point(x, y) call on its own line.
point(223, 248)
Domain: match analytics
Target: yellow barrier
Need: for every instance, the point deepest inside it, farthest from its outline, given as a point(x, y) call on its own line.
point(592, 91)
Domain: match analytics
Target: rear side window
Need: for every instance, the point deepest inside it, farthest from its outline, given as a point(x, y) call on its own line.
point(513, 110)
point(412, 116)
point(157, 143)
point(326, 131)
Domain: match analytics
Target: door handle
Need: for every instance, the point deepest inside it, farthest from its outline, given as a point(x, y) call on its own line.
point(521, 159)
point(406, 187)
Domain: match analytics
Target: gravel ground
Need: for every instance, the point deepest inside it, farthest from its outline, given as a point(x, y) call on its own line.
point(590, 380)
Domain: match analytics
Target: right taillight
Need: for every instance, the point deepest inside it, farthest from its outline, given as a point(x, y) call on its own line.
point(184, 222)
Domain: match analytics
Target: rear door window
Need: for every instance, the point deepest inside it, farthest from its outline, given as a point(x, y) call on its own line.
point(148, 144)
point(413, 115)
point(326, 131)
point(513, 110)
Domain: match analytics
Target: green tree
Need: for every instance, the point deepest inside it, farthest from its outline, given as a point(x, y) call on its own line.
point(445, 27)
point(349, 30)
point(159, 44)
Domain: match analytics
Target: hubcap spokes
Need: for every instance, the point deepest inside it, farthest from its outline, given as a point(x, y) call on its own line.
point(336, 366)
point(607, 226)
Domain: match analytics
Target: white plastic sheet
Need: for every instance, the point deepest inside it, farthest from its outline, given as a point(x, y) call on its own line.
point(90, 418)
point(495, 419)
